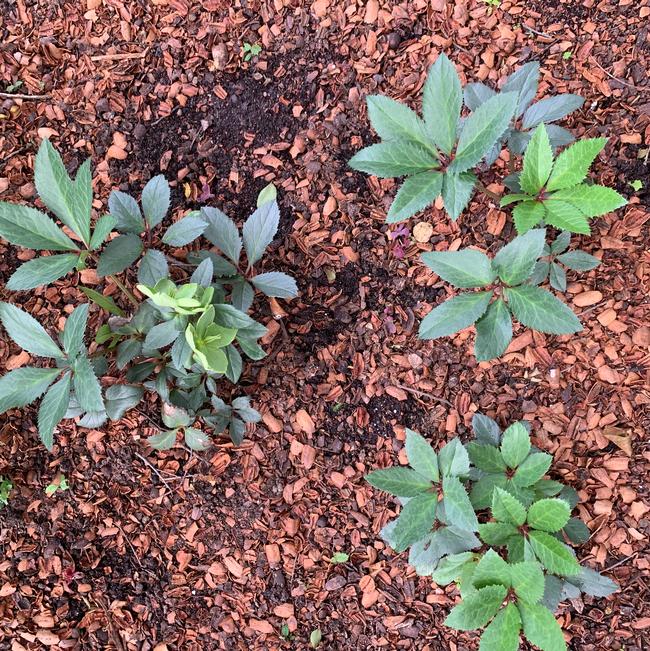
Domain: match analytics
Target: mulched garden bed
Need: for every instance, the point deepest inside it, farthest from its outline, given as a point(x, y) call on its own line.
point(220, 550)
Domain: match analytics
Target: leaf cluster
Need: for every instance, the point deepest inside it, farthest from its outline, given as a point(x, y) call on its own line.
point(485, 516)
point(507, 291)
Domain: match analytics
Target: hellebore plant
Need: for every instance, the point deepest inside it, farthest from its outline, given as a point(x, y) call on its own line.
point(511, 563)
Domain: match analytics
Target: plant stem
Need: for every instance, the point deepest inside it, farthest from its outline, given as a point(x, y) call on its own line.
point(488, 193)
point(125, 291)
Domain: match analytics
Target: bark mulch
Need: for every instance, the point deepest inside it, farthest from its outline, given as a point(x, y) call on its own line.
point(220, 550)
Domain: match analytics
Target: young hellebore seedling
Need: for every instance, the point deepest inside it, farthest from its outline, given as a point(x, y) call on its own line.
point(438, 153)
point(513, 575)
point(554, 192)
point(506, 279)
point(178, 343)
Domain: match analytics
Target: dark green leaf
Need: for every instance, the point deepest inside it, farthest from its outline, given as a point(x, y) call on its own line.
point(515, 444)
point(524, 82)
point(528, 214)
point(165, 440)
point(416, 193)
point(160, 336)
point(482, 490)
point(203, 274)
point(24, 385)
point(53, 407)
point(276, 284)
point(482, 129)
point(540, 627)
point(24, 226)
point(453, 459)
point(506, 508)
point(119, 254)
point(184, 231)
point(74, 330)
point(549, 514)
point(493, 332)
point(222, 232)
point(577, 531)
point(442, 100)
point(532, 469)
point(27, 332)
point(259, 230)
point(195, 439)
point(69, 201)
point(476, 94)
point(503, 632)
point(126, 211)
point(551, 109)
point(496, 534)
point(593, 583)
point(578, 260)
point(120, 398)
point(487, 458)
point(558, 277)
point(515, 261)
point(395, 121)
point(103, 227)
point(105, 302)
point(153, 267)
point(450, 567)
point(421, 456)
point(399, 481)
point(465, 268)
point(42, 271)
point(454, 314)
point(394, 158)
point(538, 309)
point(457, 190)
point(528, 581)
point(486, 430)
point(555, 556)
point(155, 200)
point(458, 509)
point(415, 520)
point(87, 389)
point(491, 570)
point(174, 416)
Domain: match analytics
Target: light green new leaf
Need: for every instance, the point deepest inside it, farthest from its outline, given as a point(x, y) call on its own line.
point(155, 200)
point(70, 201)
point(395, 121)
point(442, 100)
point(27, 332)
point(554, 555)
point(458, 509)
point(591, 200)
point(565, 216)
point(453, 459)
point(393, 158)
point(415, 521)
point(538, 162)
point(184, 231)
point(74, 330)
point(399, 481)
point(503, 632)
point(28, 227)
point(119, 254)
point(528, 214)
point(572, 165)
point(454, 314)
point(421, 456)
point(476, 610)
point(541, 628)
point(538, 309)
point(24, 385)
point(482, 129)
point(506, 508)
point(528, 581)
point(512, 198)
point(457, 190)
point(550, 514)
point(268, 193)
point(515, 444)
point(42, 271)
point(52, 410)
point(416, 193)
point(105, 224)
point(493, 332)
point(532, 469)
point(466, 268)
point(491, 570)
point(87, 389)
point(515, 261)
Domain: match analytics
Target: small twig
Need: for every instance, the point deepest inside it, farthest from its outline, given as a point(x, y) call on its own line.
point(162, 479)
point(534, 31)
point(27, 98)
point(125, 291)
point(625, 560)
point(424, 394)
point(620, 81)
point(120, 56)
